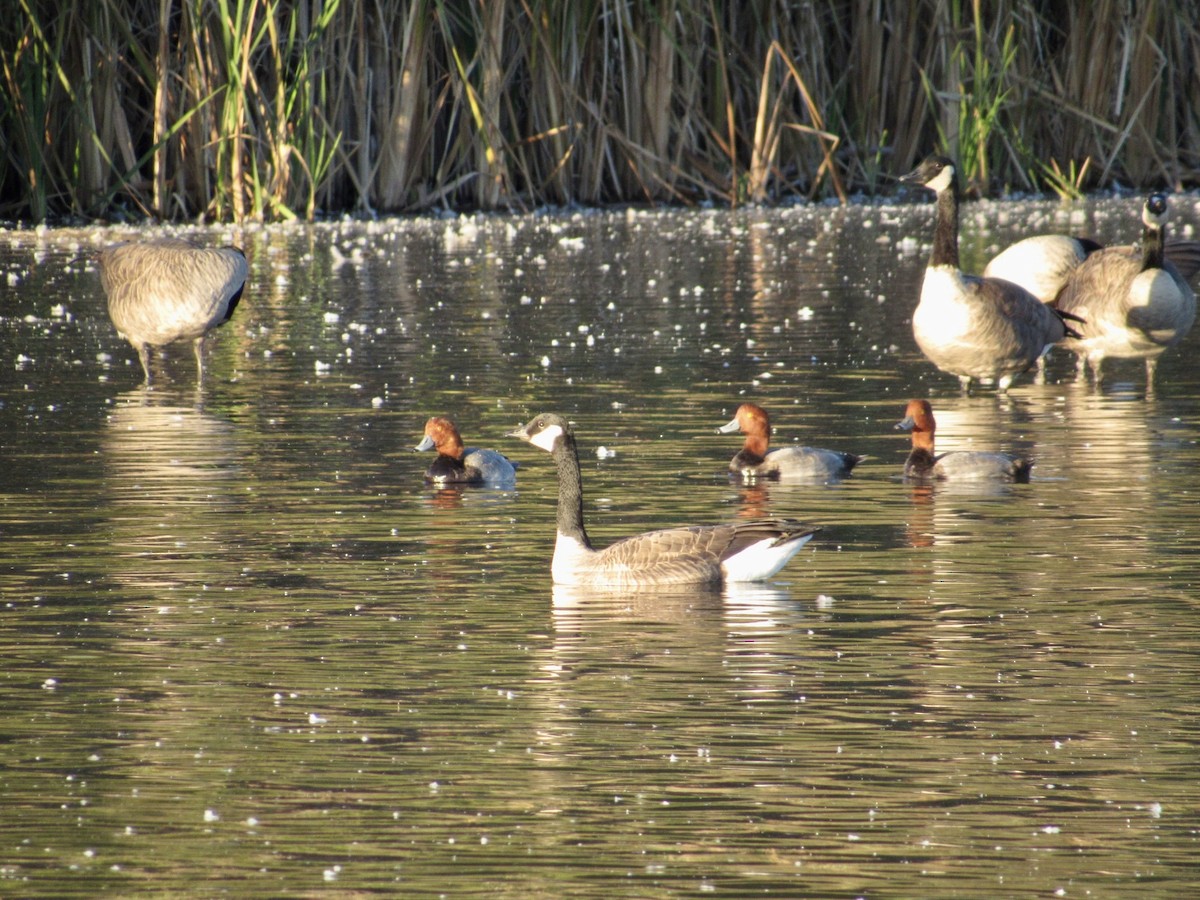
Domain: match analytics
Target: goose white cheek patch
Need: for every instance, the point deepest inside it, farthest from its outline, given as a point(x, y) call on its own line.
point(547, 438)
point(942, 180)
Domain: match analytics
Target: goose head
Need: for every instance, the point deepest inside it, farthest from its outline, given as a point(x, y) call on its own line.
point(936, 173)
point(1154, 212)
point(547, 431)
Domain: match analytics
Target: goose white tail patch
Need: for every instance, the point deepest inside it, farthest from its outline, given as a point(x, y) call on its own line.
point(761, 560)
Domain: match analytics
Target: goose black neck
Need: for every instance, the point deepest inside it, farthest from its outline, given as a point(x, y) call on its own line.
point(945, 235)
point(570, 490)
point(1152, 247)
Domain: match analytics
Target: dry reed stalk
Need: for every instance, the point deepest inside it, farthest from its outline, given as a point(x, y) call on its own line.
point(250, 109)
point(163, 74)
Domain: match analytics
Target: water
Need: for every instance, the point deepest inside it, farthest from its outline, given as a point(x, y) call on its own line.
point(248, 652)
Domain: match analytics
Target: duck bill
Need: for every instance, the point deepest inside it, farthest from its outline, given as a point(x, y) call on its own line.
point(728, 427)
point(426, 444)
point(906, 424)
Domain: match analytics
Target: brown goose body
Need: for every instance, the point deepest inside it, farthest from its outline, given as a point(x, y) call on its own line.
point(1135, 302)
point(167, 290)
point(976, 328)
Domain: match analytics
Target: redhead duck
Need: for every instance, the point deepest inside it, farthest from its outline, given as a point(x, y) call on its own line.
point(456, 464)
point(959, 465)
point(699, 554)
point(754, 460)
point(1136, 303)
point(972, 327)
point(166, 290)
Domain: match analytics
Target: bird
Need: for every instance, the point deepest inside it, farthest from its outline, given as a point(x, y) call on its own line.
point(1043, 263)
point(1136, 303)
point(957, 465)
point(744, 551)
point(167, 289)
point(755, 460)
point(456, 464)
point(973, 327)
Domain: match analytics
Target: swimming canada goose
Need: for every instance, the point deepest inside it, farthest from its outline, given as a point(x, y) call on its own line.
point(1135, 302)
point(699, 554)
point(755, 460)
point(166, 290)
point(456, 464)
point(957, 465)
point(973, 327)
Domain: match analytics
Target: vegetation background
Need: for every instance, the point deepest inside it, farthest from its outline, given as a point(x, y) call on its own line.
point(247, 110)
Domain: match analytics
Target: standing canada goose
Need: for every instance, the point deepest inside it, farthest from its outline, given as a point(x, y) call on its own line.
point(969, 326)
point(755, 460)
point(957, 465)
point(699, 554)
point(1135, 302)
point(456, 464)
point(166, 290)
point(1042, 264)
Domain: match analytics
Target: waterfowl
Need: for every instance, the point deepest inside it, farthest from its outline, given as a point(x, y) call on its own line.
point(166, 290)
point(456, 464)
point(957, 465)
point(755, 460)
point(972, 327)
point(1136, 302)
point(1041, 264)
point(699, 554)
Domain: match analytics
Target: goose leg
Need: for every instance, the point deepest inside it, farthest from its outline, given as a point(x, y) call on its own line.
point(198, 349)
point(143, 352)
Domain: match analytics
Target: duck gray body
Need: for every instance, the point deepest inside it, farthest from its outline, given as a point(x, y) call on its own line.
point(1134, 301)
point(167, 290)
point(697, 554)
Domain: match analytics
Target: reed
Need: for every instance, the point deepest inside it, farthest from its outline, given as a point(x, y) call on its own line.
point(247, 110)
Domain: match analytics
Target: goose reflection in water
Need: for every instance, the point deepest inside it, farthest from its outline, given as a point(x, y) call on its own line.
point(169, 472)
point(721, 618)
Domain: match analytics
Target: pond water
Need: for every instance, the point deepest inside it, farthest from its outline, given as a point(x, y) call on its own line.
point(246, 651)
